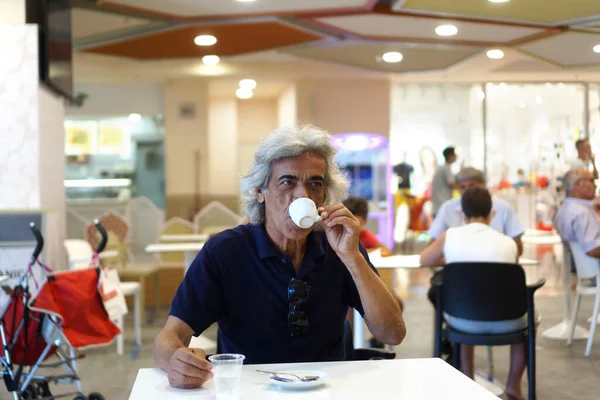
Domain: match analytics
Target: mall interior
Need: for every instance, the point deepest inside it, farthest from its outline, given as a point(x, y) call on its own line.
point(145, 114)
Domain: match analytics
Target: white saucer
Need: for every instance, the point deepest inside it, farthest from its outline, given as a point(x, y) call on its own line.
point(299, 385)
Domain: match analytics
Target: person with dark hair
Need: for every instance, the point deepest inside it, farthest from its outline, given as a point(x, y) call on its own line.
point(360, 208)
point(442, 183)
point(585, 157)
point(477, 241)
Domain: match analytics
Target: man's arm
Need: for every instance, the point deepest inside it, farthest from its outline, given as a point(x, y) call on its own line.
point(433, 255)
point(185, 367)
point(381, 309)
point(519, 245)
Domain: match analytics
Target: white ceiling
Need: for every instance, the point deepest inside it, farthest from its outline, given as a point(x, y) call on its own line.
point(575, 48)
point(88, 23)
point(201, 8)
point(405, 26)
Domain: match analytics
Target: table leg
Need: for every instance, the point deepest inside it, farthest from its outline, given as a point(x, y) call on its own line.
point(359, 332)
point(189, 258)
point(561, 330)
point(156, 292)
point(142, 281)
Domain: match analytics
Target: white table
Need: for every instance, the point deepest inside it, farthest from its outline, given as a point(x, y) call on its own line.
point(410, 261)
point(184, 237)
point(561, 330)
point(418, 379)
point(190, 250)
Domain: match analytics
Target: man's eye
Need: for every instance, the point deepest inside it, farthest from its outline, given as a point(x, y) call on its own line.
point(317, 184)
point(286, 182)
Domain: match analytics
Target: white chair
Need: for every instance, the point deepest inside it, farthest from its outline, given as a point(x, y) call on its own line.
point(587, 268)
point(215, 217)
point(80, 256)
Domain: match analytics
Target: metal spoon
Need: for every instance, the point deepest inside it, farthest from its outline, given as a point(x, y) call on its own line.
point(302, 378)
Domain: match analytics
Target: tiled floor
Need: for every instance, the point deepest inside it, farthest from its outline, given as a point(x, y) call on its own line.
point(563, 372)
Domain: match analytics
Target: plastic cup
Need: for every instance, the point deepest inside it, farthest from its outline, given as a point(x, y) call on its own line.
point(227, 371)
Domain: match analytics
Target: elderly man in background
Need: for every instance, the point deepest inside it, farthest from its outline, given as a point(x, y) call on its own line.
point(504, 218)
point(577, 220)
point(585, 157)
point(279, 292)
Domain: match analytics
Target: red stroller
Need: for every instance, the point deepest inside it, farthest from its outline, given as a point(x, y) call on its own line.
point(67, 313)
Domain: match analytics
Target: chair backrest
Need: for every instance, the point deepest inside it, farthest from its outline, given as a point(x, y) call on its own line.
point(146, 221)
point(117, 229)
point(79, 253)
point(175, 226)
point(587, 267)
point(484, 291)
point(215, 217)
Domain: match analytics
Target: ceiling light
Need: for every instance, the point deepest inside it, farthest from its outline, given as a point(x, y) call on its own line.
point(494, 1)
point(392, 57)
point(135, 117)
point(211, 60)
point(245, 1)
point(597, 48)
point(481, 95)
point(495, 54)
point(446, 30)
point(243, 93)
point(248, 84)
point(205, 40)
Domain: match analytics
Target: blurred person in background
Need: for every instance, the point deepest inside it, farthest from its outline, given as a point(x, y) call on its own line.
point(442, 183)
point(585, 157)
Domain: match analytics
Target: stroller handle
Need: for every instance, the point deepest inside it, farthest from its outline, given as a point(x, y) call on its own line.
point(104, 239)
point(39, 242)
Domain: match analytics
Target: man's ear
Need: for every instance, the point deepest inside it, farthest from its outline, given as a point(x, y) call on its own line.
point(260, 195)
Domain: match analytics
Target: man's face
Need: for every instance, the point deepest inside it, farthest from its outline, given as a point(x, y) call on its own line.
point(452, 158)
point(292, 178)
point(585, 148)
point(463, 186)
point(585, 188)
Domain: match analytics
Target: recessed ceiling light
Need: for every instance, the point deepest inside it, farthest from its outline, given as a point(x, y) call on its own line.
point(243, 93)
point(495, 54)
point(446, 30)
point(245, 1)
point(248, 84)
point(498, 1)
point(205, 40)
point(597, 48)
point(392, 57)
point(135, 117)
point(211, 60)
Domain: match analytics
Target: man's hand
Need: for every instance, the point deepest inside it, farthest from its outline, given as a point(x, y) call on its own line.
point(188, 368)
point(342, 229)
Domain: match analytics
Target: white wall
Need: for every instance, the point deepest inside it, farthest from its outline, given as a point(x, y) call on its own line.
point(115, 100)
point(52, 173)
point(286, 104)
point(256, 119)
point(12, 12)
point(19, 148)
point(222, 147)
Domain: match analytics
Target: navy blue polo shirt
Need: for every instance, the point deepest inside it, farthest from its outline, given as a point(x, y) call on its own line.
point(240, 280)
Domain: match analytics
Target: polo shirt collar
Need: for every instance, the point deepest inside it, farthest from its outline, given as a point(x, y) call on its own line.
point(314, 247)
point(587, 203)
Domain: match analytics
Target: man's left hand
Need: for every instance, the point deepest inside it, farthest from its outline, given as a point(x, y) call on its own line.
point(342, 229)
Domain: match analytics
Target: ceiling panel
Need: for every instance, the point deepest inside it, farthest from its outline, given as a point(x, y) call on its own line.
point(365, 55)
point(203, 8)
point(519, 10)
point(89, 23)
point(568, 49)
point(232, 40)
point(372, 25)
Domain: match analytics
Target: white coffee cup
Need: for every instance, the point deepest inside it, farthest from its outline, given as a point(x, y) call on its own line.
point(303, 212)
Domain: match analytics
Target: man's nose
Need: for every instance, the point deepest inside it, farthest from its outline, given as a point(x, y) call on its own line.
point(300, 191)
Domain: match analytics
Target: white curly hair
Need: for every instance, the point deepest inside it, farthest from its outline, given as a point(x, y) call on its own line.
point(284, 143)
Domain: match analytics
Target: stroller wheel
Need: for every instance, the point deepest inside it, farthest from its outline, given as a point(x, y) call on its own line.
point(95, 396)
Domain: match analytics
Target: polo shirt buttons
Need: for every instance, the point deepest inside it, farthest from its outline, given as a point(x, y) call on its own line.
point(283, 260)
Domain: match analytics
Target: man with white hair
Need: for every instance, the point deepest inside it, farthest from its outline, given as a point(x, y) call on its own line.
point(279, 292)
point(577, 220)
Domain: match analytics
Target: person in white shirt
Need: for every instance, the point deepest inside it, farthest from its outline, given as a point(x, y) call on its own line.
point(442, 183)
point(477, 241)
point(585, 157)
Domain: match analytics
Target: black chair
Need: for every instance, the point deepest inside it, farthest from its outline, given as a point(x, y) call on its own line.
point(486, 292)
point(353, 354)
